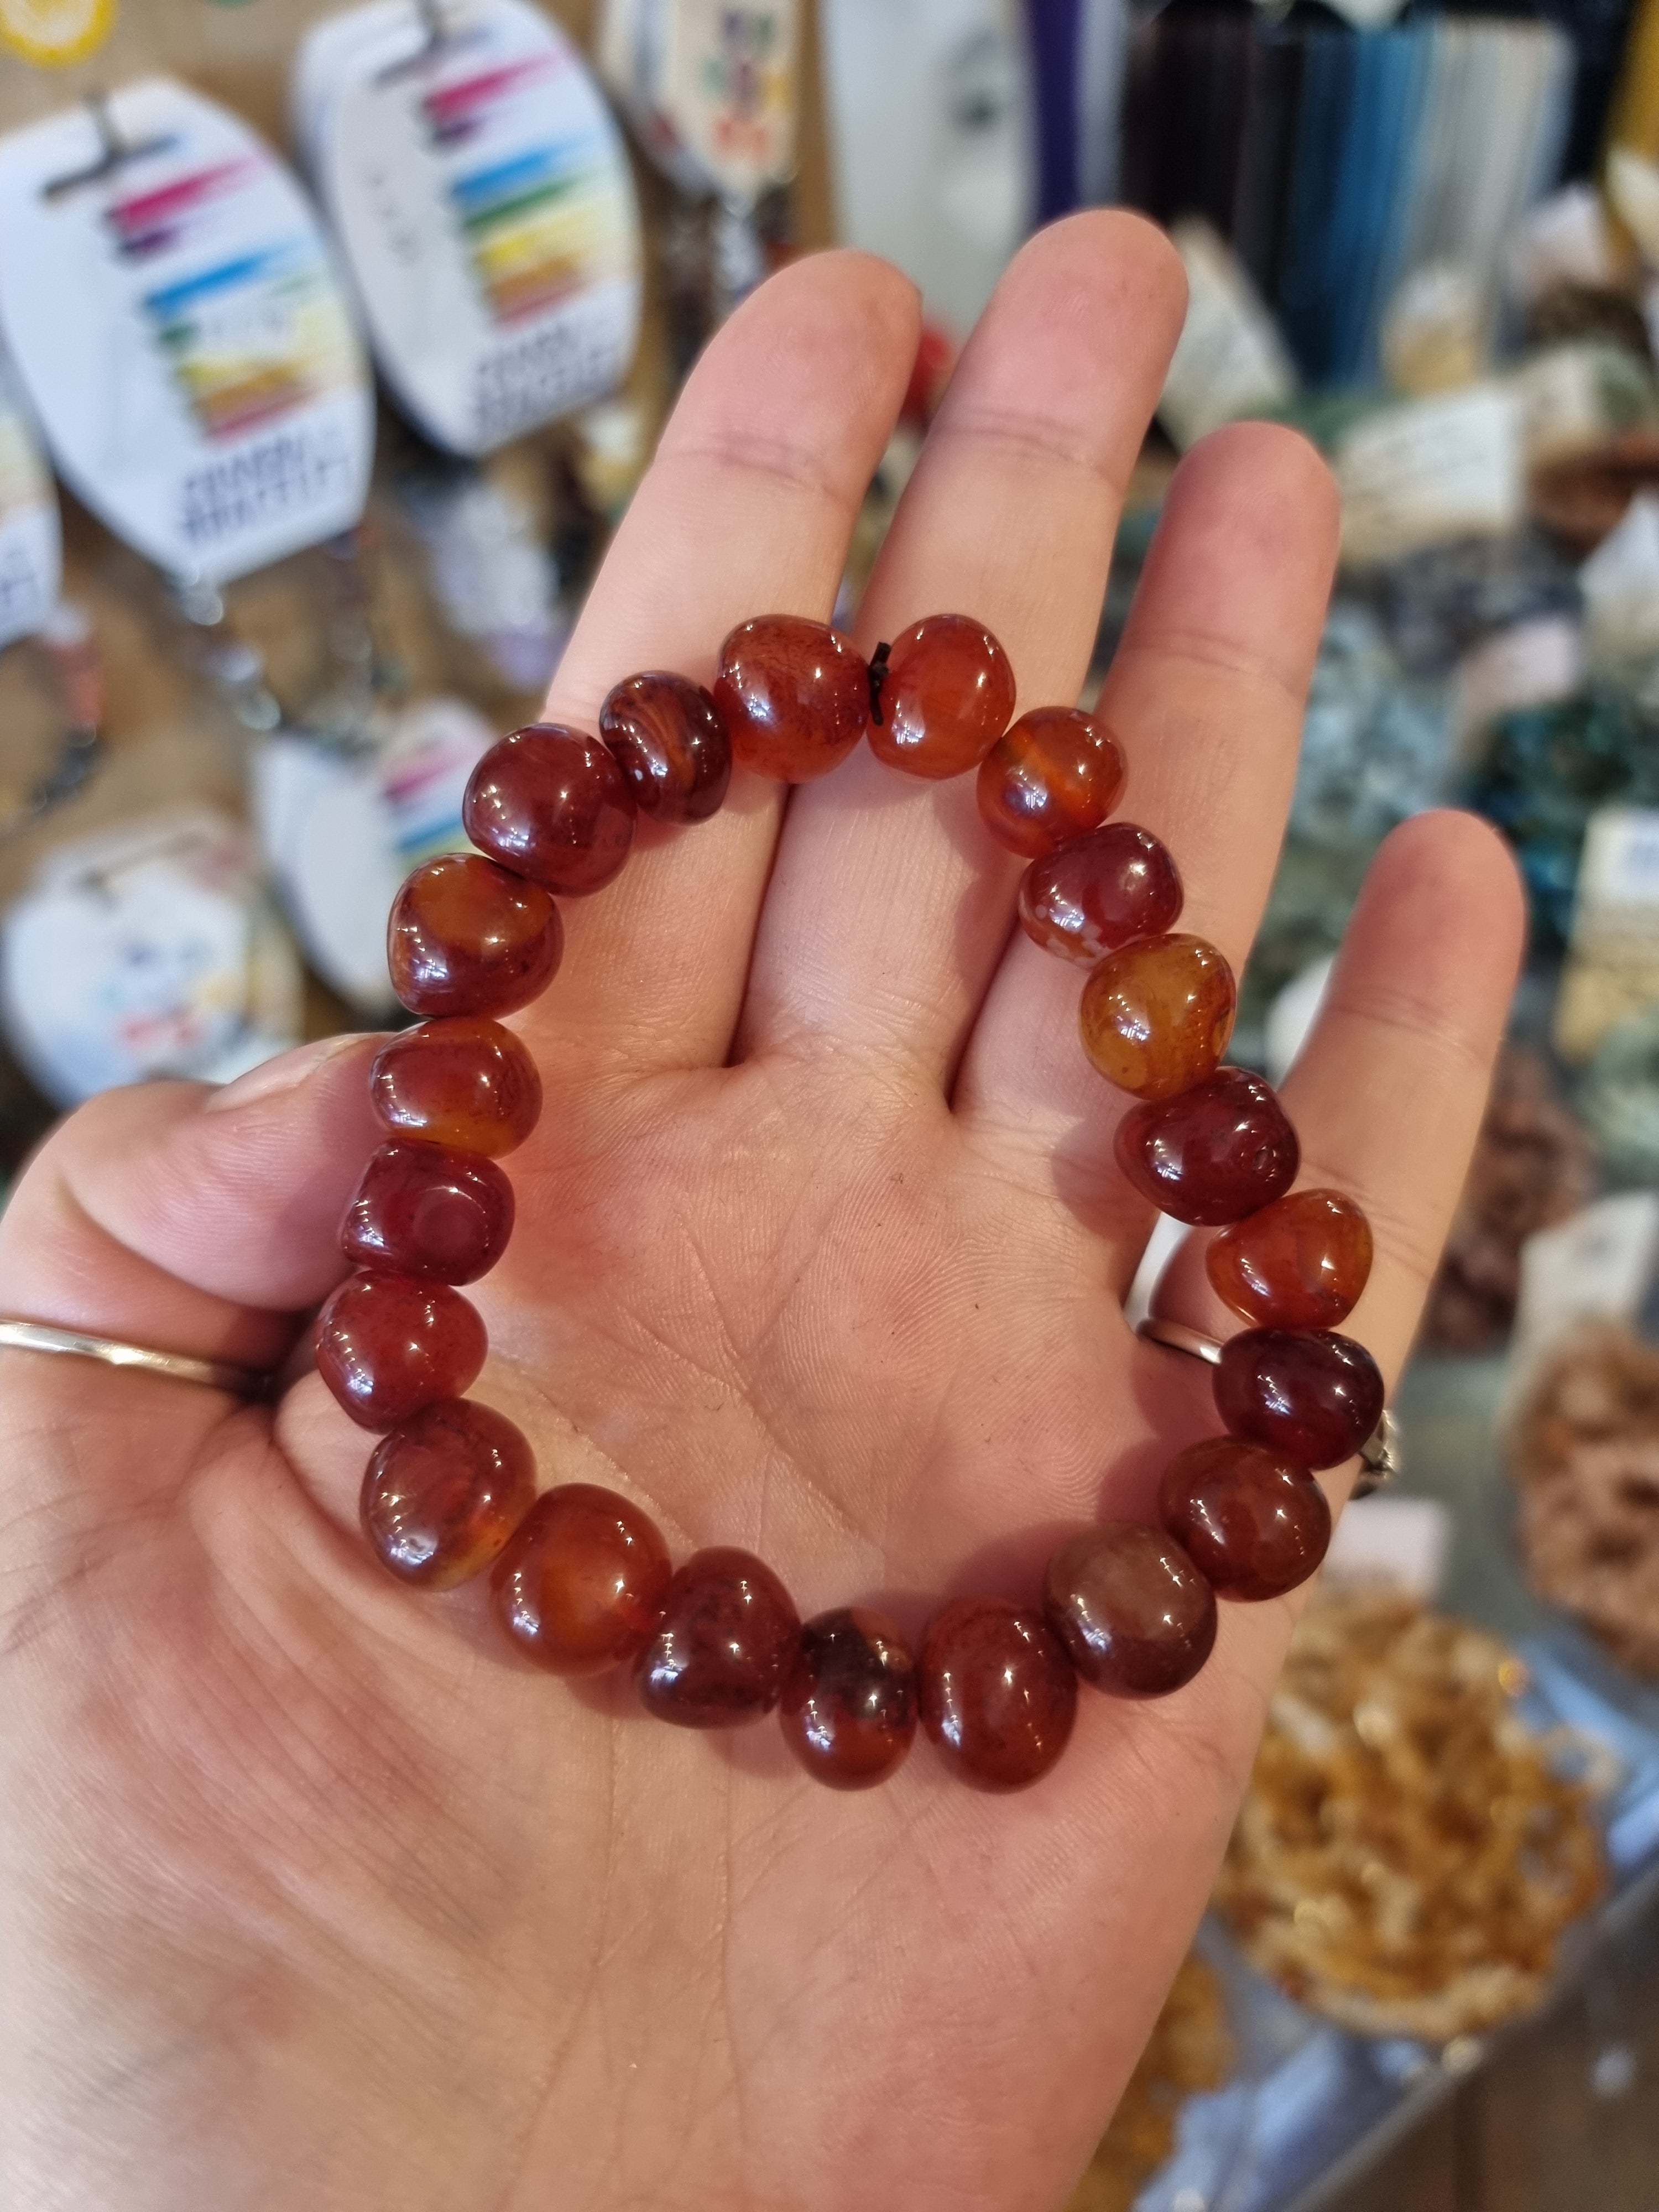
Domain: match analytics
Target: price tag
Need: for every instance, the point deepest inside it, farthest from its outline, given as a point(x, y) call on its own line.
point(482, 197)
point(172, 309)
point(30, 554)
point(1432, 471)
point(147, 951)
point(1229, 359)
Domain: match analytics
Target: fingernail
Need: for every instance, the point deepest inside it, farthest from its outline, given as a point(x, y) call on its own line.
point(286, 1071)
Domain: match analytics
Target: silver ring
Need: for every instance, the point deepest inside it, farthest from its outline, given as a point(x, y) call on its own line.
point(215, 1374)
point(1381, 1455)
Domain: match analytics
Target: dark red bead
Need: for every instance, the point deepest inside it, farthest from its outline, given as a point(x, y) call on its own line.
point(551, 804)
point(1300, 1263)
point(1253, 1523)
point(793, 694)
point(467, 937)
point(445, 1490)
point(422, 1210)
point(945, 697)
point(1133, 1612)
point(1051, 779)
point(1211, 1154)
point(580, 1586)
point(671, 743)
point(849, 1700)
point(388, 1344)
point(722, 1645)
point(1314, 1397)
point(1100, 892)
point(997, 1693)
point(469, 1085)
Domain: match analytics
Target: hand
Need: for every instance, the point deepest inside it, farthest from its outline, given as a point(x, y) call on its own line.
point(318, 1897)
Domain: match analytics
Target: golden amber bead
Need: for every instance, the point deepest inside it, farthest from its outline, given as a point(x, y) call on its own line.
point(793, 694)
point(1300, 1263)
point(467, 1083)
point(1051, 779)
point(581, 1584)
point(445, 1490)
point(1156, 1016)
point(945, 697)
point(468, 938)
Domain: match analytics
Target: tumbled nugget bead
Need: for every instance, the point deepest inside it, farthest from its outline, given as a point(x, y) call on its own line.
point(469, 1084)
point(425, 1210)
point(996, 1692)
point(1211, 1154)
point(670, 741)
point(581, 1585)
point(1312, 1397)
point(445, 1492)
point(387, 1345)
point(1055, 775)
point(1099, 892)
point(722, 1645)
point(793, 694)
point(551, 804)
point(946, 698)
point(848, 1709)
point(1300, 1263)
point(469, 937)
point(1136, 1617)
point(1156, 1016)
point(1253, 1523)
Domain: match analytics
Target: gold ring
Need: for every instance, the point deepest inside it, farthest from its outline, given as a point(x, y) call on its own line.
point(215, 1374)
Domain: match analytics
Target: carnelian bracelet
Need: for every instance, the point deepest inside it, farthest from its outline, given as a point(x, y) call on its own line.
point(580, 1579)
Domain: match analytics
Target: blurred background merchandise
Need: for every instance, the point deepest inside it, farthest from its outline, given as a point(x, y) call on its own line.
point(334, 341)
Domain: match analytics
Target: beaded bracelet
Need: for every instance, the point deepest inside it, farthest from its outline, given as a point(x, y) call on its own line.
point(582, 1579)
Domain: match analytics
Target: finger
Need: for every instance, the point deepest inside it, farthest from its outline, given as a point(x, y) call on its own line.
point(1009, 517)
point(183, 1220)
point(747, 509)
point(1388, 1095)
point(1206, 695)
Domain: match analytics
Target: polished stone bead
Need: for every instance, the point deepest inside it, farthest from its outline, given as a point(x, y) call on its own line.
point(1156, 1016)
point(793, 694)
point(1300, 1263)
point(997, 1693)
point(1050, 780)
point(848, 1710)
point(1133, 1612)
point(387, 1345)
point(671, 743)
point(1099, 892)
point(946, 698)
point(581, 1585)
point(553, 804)
point(1312, 1397)
point(1211, 1154)
point(1253, 1523)
point(723, 1644)
point(469, 1085)
point(423, 1210)
point(445, 1490)
point(467, 937)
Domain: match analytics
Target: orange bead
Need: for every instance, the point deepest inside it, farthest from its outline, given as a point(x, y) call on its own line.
point(793, 694)
point(1156, 1016)
point(1300, 1263)
point(1055, 776)
point(445, 1490)
point(469, 1084)
point(467, 937)
point(580, 1587)
point(946, 695)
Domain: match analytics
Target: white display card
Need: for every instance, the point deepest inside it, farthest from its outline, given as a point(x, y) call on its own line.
point(30, 553)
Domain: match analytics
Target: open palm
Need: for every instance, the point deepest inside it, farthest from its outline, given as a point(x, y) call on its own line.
point(319, 1895)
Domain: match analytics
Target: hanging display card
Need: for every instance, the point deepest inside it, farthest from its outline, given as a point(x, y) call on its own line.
point(480, 194)
point(29, 551)
point(171, 306)
point(712, 89)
